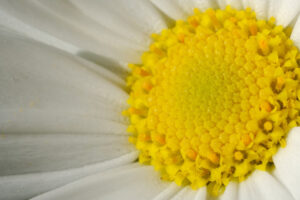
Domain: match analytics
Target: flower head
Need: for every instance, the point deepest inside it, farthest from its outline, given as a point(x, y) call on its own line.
point(212, 100)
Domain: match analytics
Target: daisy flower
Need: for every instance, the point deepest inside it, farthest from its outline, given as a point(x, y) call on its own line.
point(139, 99)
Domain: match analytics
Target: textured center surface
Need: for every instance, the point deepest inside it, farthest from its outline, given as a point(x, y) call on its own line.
point(214, 98)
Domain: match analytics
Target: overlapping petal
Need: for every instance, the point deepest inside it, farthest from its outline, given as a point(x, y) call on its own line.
point(262, 186)
point(285, 11)
point(231, 192)
point(129, 182)
point(57, 112)
point(189, 194)
point(287, 163)
point(68, 21)
point(26, 186)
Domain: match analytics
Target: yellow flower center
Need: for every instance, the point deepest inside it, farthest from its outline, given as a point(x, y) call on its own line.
point(214, 98)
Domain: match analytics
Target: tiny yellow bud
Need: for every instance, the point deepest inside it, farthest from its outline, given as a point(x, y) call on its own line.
point(238, 155)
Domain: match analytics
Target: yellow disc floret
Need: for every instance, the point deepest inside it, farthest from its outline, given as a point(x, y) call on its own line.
point(214, 98)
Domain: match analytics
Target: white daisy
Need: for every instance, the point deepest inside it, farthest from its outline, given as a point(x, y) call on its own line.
point(62, 74)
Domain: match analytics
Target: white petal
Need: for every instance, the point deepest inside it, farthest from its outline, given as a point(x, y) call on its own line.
point(168, 192)
point(295, 36)
point(65, 21)
point(170, 8)
point(201, 194)
point(29, 185)
point(231, 192)
point(246, 3)
point(188, 194)
point(221, 3)
point(205, 4)
point(181, 9)
point(131, 19)
point(260, 7)
point(285, 11)
point(31, 153)
point(187, 5)
point(56, 111)
point(273, 6)
point(287, 163)
point(17, 25)
point(237, 4)
point(132, 183)
point(262, 186)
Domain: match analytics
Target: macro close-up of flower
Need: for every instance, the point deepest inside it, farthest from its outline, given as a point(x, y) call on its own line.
point(150, 99)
